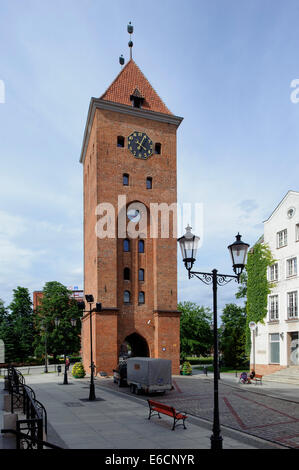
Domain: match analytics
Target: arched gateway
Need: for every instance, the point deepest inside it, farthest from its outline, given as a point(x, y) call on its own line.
point(134, 345)
point(134, 278)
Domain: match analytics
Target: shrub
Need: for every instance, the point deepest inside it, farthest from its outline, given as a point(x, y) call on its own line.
point(187, 369)
point(78, 370)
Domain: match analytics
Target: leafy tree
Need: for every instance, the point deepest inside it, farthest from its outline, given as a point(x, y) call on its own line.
point(195, 329)
point(232, 339)
point(21, 323)
point(6, 333)
point(64, 338)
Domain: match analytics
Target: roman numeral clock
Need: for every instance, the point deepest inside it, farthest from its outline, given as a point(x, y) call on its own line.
point(140, 145)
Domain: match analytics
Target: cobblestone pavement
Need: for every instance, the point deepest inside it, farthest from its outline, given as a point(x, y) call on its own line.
point(269, 418)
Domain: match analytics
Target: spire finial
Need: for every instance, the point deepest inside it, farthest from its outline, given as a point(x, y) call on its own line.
point(130, 29)
point(121, 60)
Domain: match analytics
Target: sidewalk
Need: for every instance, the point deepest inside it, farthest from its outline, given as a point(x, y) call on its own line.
point(119, 421)
point(273, 389)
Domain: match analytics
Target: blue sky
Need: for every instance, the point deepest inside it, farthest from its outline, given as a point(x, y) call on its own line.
point(225, 66)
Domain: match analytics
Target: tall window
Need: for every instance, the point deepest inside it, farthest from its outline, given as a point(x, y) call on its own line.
point(273, 272)
point(282, 238)
point(149, 183)
point(297, 233)
point(125, 179)
point(274, 348)
point(273, 307)
point(291, 267)
point(141, 275)
point(120, 141)
point(141, 246)
point(158, 148)
point(127, 297)
point(141, 298)
point(126, 245)
point(292, 304)
point(127, 274)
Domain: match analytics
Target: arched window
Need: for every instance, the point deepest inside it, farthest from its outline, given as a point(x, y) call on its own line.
point(127, 297)
point(149, 182)
point(141, 246)
point(141, 275)
point(120, 141)
point(141, 298)
point(158, 148)
point(127, 274)
point(125, 179)
point(126, 245)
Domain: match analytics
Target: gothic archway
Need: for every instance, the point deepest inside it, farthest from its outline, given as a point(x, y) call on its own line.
point(134, 345)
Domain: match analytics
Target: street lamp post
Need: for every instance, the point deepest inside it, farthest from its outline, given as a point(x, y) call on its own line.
point(252, 326)
point(81, 305)
point(57, 323)
point(238, 250)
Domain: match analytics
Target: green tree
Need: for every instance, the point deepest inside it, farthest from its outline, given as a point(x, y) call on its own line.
point(195, 329)
point(64, 338)
point(258, 286)
point(20, 321)
point(232, 339)
point(6, 332)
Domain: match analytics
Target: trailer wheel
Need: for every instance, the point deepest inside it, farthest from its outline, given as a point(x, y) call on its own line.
point(132, 388)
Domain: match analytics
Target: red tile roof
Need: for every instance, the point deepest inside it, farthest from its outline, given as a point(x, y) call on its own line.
point(125, 84)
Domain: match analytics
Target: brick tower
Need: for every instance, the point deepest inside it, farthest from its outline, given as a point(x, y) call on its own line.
point(129, 150)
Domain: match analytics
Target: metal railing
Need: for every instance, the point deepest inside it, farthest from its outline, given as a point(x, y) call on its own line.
point(30, 430)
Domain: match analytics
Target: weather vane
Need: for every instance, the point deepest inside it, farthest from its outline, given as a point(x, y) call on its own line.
point(130, 31)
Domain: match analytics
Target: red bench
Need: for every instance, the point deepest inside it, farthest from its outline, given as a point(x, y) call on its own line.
point(156, 408)
point(258, 379)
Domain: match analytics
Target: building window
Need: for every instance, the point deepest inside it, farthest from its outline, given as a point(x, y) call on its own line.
point(120, 141)
point(282, 238)
point(157, 148)
point(149, 183)
point(126, 245)
point(274, 348)
point(273, 308)
point(292, 304)
point(127, 274)
point(127, 297)
point(297, 233)
point(141, 246)
point(273, 272)
point(141, 298)
point(125, 179)
point(141, 275)
point(292, 267)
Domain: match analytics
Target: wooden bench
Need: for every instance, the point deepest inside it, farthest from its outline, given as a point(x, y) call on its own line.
point(155, 408)
point(258, 379)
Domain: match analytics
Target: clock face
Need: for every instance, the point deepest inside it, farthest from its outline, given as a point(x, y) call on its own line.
point(140, 145)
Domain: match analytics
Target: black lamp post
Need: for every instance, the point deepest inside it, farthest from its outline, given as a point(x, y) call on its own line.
point(44, 328)
point(238, 250)
point(81, 305)
point(57, 323)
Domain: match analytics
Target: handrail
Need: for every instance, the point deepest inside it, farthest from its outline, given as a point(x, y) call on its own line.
point(34, 439)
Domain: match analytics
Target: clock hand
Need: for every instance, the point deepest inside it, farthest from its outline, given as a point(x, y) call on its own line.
point(140, 145)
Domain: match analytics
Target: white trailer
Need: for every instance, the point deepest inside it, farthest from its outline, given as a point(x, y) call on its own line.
point(149, 375)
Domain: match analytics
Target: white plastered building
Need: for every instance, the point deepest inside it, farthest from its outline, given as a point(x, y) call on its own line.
point(276, 341)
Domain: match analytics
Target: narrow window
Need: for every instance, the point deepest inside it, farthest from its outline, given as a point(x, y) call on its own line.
point(127, 297)
point(141, 275)
point(141, 246)
point(274, 348)
point(126, 245)
point(273, 272)
point(292, 304)
point(297, 232)
point(127, 274)
point(291, 267)
point(120, 141)
point(158, 148)
point(125, 179)
point(282, 238)
point(141, 298)
point(273, 308)
point(149, 182)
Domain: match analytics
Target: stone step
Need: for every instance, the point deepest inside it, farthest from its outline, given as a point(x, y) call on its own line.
point(283, 380)
point(290, 375)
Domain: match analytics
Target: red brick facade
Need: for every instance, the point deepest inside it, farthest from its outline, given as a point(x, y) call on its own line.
point(156, 322)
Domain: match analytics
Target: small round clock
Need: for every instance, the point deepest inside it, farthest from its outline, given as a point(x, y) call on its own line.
point(140, 145)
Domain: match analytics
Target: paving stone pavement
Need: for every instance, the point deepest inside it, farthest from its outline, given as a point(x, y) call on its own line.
point(248, 410)
point(119, 420)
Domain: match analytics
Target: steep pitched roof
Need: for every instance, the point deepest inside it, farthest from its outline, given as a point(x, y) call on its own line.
point(125, 85)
